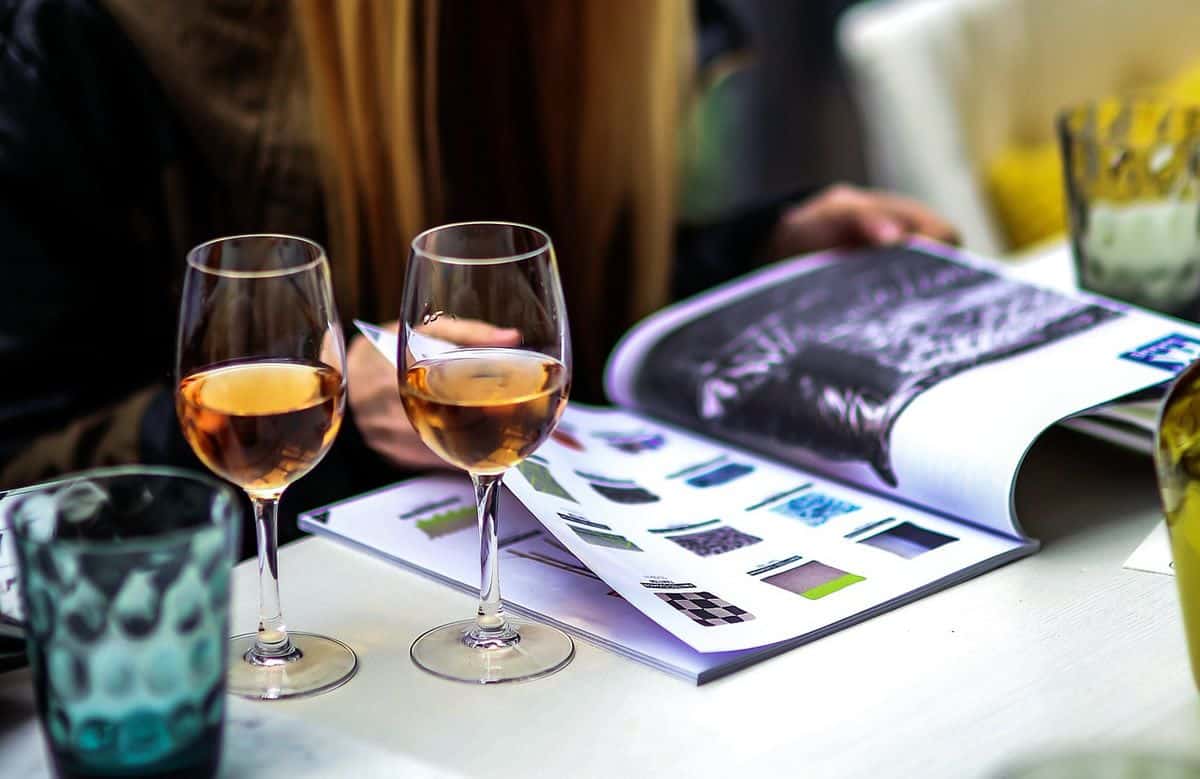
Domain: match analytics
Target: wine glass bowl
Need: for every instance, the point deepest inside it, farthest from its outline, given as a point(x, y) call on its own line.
point(484, 369)
point(485, 409)
point(260, 395)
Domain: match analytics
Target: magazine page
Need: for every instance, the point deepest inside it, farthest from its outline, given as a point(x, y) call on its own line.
point(728, 550)
point(725, 549)
point(428, 524)
point(914, 371)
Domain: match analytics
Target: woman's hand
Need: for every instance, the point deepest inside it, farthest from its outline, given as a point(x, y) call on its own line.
point(375, 389)
point(846, 216)
point(378, 412)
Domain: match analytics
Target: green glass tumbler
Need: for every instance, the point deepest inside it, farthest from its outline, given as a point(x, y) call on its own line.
point(124, 581)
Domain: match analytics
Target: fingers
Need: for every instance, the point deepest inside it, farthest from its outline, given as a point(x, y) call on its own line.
point(875, 228)
point(470, 332)
point(845, 216)
point(915, 218)
point(871, 217)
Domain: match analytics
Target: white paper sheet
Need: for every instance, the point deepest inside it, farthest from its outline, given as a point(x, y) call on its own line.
point(1153, 555)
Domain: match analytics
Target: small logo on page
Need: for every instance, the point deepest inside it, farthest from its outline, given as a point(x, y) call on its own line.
point(1171, 353)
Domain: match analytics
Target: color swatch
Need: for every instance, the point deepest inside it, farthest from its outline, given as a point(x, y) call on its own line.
point(719, 540)
point(448, 522)
point(705, 608)
point(814, 508)
point(540, 478)
point(720, 475)
point(611, 540)
point(908, 540)
point(814, 580)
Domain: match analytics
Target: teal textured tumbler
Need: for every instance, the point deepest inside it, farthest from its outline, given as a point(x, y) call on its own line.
point(124, 579)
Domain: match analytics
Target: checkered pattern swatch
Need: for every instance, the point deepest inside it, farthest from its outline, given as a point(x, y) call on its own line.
point(706, 608)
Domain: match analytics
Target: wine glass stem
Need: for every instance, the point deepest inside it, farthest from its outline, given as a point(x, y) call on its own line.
point(491, 629)
point(272, 642)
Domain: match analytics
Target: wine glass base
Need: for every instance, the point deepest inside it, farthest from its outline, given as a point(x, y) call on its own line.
point(541, 651)
point(325, 664)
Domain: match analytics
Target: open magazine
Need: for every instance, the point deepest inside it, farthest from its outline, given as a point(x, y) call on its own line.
point(790, 453)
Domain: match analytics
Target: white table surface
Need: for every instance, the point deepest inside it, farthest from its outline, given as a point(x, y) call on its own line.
point(1061, 650)
point(1050, 265)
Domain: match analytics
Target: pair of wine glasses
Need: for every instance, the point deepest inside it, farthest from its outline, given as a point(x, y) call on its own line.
point(484, 370)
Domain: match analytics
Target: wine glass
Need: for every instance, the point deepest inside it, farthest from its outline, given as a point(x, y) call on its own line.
point(485, 368)
point(260, 394)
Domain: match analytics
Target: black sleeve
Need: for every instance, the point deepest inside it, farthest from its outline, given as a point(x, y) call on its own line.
point(712, 253)
point(86, 311)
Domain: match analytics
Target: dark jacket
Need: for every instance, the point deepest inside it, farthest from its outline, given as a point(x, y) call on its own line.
point(104, 185)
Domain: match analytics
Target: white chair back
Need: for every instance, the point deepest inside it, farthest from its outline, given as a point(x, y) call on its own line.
point(943, 85)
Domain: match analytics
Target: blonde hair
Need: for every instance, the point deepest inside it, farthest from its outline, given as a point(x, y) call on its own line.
point(607, 86)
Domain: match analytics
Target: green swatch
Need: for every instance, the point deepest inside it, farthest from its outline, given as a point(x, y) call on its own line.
point(832, 586)
point(605, 539)
point(540, 478)
point(447, 522)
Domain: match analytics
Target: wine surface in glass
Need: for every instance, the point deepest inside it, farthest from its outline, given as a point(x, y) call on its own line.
point(486, 409)
point(261, 425)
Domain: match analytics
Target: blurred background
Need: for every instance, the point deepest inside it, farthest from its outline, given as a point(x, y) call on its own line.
point(950, 101)
point(788, 119)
